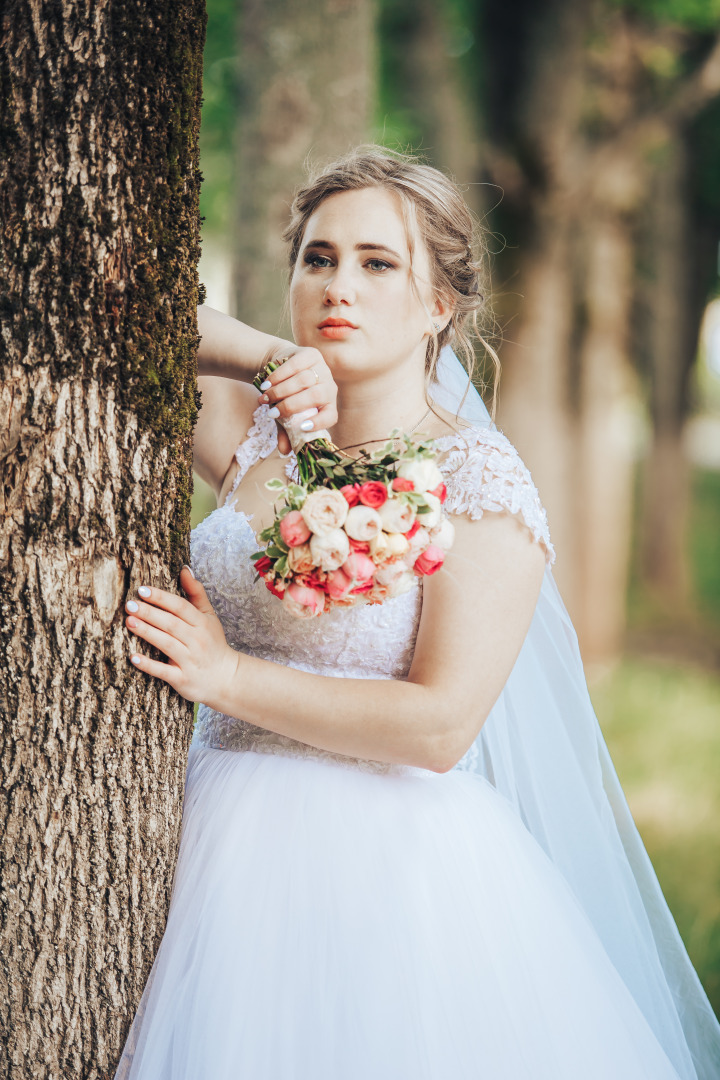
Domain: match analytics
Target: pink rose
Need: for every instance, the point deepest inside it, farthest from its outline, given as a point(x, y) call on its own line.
point(401, 484)
point(360, 545)
point(293, 529)
point(440, 492)
point(359, 568)
point(303, 602)
point(338, 584)
point(373, 493)
point(429, 561)
point(351, 493)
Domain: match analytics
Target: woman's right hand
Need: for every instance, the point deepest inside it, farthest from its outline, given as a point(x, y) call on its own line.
point(302, 383)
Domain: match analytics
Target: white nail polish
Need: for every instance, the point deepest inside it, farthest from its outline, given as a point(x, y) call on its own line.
point(144, 591)
point(307, 425)
point(131, 605)
point(265, 385)
point(274, 413)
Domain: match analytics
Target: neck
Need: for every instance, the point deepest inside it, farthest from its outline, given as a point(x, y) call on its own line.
point(368, 411)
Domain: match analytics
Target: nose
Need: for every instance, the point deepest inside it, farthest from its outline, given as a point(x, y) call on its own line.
point(339, 290)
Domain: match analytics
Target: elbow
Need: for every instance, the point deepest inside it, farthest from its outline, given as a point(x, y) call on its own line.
point(446, 751)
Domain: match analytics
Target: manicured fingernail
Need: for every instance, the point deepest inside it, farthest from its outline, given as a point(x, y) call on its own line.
point(264, 399)
point(131, 606)
point(135, 659)
point(274, 413)
point(307, 425)
point(144, 591)
point(264, 385)
point(189, 569)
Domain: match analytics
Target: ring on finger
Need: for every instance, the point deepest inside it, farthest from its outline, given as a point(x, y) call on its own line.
point(317, 377)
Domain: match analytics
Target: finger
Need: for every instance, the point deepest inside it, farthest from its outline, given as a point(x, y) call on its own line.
point(299, 361)
point(284, 444)
point(160, 598)
point(171, 624)
point(326, 418)
point(169, 673)
point(304, 380)
point(196, 593)
point(173, 648)
point(315, 398)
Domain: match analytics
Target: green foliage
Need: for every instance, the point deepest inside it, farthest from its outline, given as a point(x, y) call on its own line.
point(705, 542)
point(219, 108)
point(702, 15)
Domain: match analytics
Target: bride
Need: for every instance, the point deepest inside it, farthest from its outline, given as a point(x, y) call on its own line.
point(405, 854)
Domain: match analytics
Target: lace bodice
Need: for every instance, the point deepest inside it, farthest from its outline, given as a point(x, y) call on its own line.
point(482, 471)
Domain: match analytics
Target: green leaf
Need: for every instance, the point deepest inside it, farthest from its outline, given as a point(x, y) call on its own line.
point(275, 484)
point(274, 551)
point(281, 566)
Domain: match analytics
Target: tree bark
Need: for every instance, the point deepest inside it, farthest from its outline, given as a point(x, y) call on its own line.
point(99, 246)
point(306, 92)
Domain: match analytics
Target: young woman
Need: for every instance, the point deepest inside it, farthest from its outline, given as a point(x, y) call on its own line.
point(404, 851)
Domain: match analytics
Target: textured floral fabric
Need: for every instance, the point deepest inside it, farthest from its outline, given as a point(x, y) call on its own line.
point(483, 472)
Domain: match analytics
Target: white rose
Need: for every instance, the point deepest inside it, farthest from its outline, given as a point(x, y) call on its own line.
point(424, 473)
point(404, 583)
point(443, 535)
point(300, 559)
point(397, 544)
point(432, 517)
point(396, 516)
point(324, 510)
point(378, 547)
point(418, 543)
point(390, 575)
point(362, 523)
point(330, 550)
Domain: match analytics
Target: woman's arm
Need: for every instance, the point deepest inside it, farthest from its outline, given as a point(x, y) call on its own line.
point(230, 355)
point(476, 613)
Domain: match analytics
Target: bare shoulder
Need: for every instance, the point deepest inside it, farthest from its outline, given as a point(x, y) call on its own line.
point(226, 414)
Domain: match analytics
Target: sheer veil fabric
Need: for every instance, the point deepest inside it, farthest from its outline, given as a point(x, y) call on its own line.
point(542, 748)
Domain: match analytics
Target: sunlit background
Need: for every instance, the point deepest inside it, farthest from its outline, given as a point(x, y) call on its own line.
point(587, 140)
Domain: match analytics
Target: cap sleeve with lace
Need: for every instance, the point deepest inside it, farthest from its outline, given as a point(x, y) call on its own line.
point(483, 471)
point(259, 443)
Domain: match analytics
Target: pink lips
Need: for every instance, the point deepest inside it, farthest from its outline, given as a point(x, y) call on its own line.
point(336, 329)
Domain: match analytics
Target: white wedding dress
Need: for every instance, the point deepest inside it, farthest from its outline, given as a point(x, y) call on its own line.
point(339, 919)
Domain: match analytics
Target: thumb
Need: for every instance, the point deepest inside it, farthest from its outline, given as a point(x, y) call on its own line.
point(194, 590)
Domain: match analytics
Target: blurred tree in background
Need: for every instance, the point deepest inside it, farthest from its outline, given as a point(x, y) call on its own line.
point(586, 136)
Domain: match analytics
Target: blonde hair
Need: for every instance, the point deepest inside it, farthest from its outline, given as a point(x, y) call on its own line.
point(434, 208)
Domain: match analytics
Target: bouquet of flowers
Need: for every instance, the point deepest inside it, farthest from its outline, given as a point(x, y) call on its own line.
point(354, 530)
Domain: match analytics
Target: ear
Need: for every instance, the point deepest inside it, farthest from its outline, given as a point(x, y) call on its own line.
point(441, 313)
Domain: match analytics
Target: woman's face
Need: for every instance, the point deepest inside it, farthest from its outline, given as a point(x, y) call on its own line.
point(351, 293)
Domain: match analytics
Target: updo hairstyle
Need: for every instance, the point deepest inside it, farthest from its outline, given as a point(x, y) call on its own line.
point(434, 209)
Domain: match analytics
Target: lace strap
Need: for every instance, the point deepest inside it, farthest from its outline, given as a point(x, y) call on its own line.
point(483, 471)
point(259, 443)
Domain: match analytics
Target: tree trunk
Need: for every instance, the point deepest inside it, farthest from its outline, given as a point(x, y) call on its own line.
point(306, 91)
point(99, 290)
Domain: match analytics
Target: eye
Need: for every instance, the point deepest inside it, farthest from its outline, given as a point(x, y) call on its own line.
point(378, 265)
point(320, 262)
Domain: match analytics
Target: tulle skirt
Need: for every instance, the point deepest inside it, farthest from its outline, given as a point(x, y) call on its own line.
point(329, 923)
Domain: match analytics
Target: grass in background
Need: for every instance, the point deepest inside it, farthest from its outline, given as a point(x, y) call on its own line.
point(662, 724)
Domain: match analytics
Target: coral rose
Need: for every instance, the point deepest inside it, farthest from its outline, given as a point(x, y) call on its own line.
point(362, 523)
point(351, 493)
point(303, 602)
point(440, 492)
point(293, 529)
point(401, 484)
point(373, 493)
point(429, 561)
point(324, 510)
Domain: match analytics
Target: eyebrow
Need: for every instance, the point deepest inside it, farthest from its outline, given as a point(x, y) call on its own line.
point(327, 246)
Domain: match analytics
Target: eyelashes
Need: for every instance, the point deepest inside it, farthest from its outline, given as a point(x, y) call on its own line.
point(322, 262)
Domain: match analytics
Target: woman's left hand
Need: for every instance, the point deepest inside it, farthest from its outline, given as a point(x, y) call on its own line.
point(201, 663)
